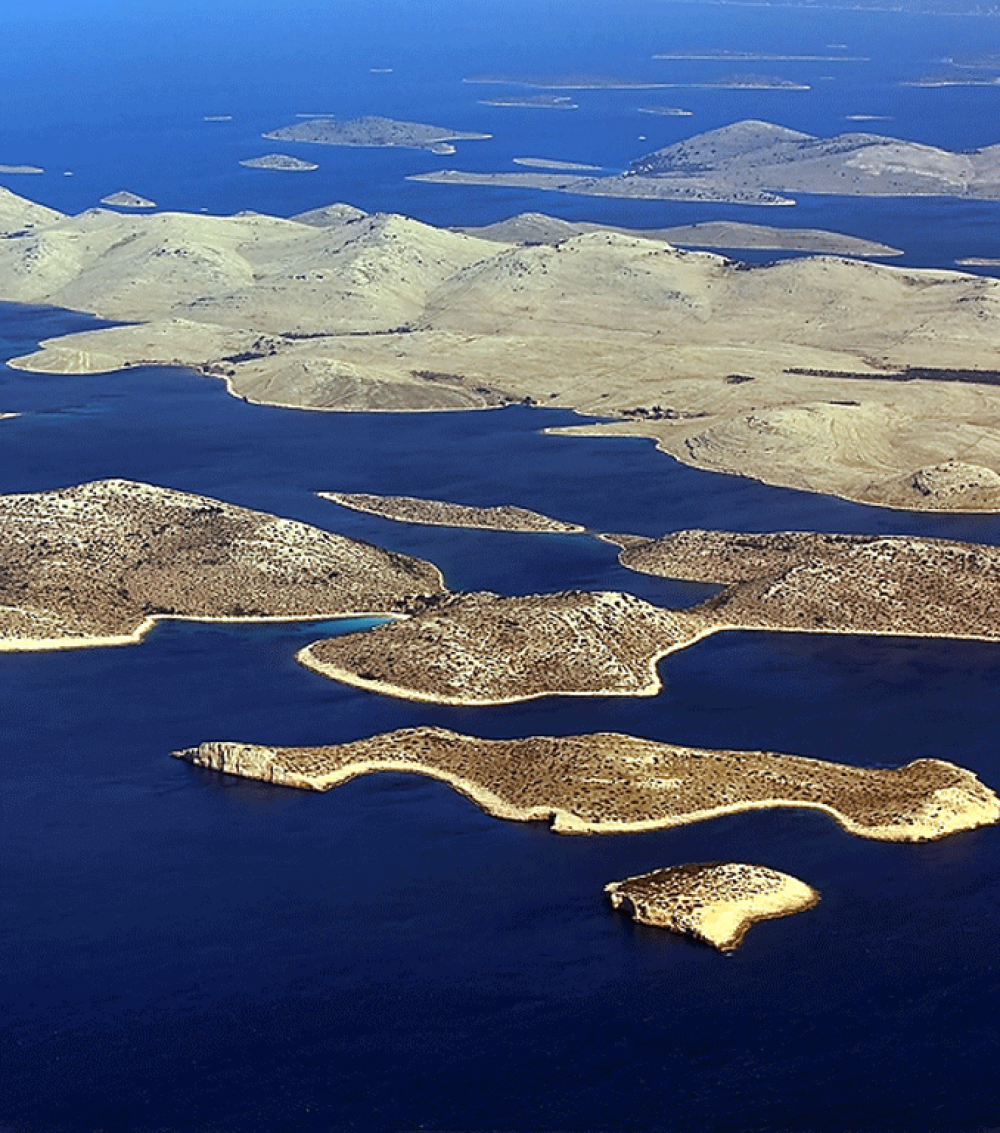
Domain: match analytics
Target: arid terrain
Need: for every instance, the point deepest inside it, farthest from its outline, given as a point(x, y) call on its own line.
point(372, 132)
point(714, 902)
point(99, 563)
point(609, 783)
point(439, 513)
point(817, 373)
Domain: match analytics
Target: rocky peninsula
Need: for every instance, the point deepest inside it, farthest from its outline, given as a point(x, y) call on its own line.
point(608, 783)
point(439, 513)
point(714, 902)
point(100, 563)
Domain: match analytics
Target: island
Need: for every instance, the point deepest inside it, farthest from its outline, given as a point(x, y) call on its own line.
point(532, 101)
point(758, 56)
point(713, 902)
point(407, 509)
point(124, 199)
point(100, 563)
point(279, 161)
point(548, 163)
point(667, 111)
point(21, 169)
point(343, 310)
point(607, 783)
point(567, 82)
point(373, 132)
point(744, 82)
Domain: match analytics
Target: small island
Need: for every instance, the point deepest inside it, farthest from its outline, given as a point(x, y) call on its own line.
point(373, 132)
point(532, 101)
point(124, 199)
point(279, 161)
point(21, 169)
point(714, 902)
point(667, 111)
point(438, 513)
point(609, 783)
point(549, 163)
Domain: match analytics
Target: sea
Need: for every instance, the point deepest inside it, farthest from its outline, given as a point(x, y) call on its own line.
point(186, 951)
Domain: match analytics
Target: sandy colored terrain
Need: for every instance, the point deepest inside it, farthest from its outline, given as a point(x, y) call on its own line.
point(124, 199)
point(788, 372)
point(101, 562)
point(607, 783)
point(714, 902)
point(486, 649)
point(439, 513)
point(18, 215)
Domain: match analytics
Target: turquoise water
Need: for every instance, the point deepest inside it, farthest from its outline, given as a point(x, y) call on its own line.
point(181, 950)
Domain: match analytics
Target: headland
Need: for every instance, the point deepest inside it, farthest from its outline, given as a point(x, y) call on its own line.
point(439, 513)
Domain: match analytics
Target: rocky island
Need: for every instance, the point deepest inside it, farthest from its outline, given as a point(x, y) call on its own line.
point(373, 132)
point(407, 509)
point(281, 162)
point(100, 563)
point(609, 783)
point(714, 902)
point(124, 199)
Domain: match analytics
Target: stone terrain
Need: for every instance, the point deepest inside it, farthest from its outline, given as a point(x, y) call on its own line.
point(373, 132)
point(789, 372)
point(608, 783)
point(714, 902)
point(439, 513)
point(483, 648)
point(863, 584)
point(100, 562)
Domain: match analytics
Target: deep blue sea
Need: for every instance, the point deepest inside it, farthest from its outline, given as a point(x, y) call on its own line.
point(185, 951)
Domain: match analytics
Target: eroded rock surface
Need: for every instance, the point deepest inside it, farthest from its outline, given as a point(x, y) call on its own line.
point(714, 902)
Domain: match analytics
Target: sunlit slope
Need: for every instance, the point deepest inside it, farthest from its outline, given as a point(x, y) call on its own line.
point(820, 373)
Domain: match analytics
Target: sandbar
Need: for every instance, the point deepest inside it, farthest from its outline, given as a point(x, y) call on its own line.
point(439, 513)
point(608, 783)
point(714, 902)
point(100, 563)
